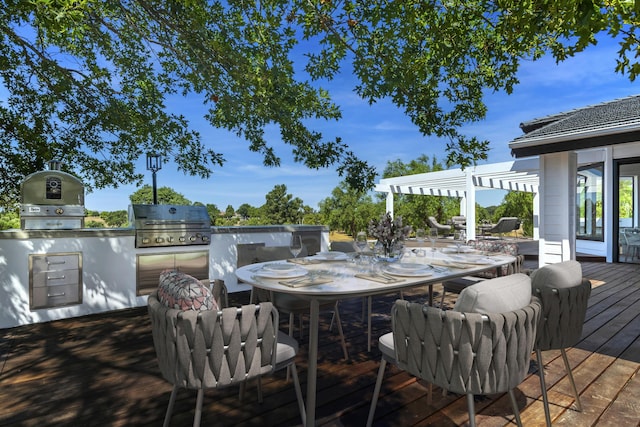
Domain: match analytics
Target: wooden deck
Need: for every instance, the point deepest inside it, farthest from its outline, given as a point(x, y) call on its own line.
point(101, 371)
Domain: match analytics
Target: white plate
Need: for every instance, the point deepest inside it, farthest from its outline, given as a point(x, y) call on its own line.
point(331, 256)
point(479, 261)
point(454, 250)
point(407, 267)
point(471, 259)
point(287, 274)
point(414, 273)
point(279, 266)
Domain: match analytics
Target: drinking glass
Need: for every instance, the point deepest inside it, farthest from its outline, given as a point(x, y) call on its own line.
point(361, 241)
point(420, 236)
point(433, 236)
point(295, 246)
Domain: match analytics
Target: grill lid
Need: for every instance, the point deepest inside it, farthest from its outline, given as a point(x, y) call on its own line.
point(149, 217)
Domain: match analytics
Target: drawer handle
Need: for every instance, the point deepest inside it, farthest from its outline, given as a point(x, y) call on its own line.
point(61, 294)
point(56, 278)
point(56, 262)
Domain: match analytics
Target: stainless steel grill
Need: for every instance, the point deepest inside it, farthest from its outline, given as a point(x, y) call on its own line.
point(170, 225)
point(51, 199)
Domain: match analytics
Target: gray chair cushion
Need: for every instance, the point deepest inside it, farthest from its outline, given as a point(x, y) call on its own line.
point(561, 275)
point(499, 295)
point(286, 349)
point(385, 344)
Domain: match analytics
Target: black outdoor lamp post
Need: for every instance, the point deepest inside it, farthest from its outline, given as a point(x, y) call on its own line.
point(154, 165)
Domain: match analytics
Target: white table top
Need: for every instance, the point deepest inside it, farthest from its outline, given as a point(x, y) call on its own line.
point(341, 279)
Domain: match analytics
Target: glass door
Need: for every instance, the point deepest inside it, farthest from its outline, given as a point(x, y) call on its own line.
point(626, 205)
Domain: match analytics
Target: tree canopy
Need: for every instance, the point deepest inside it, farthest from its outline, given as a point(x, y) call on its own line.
point(281, 207)
point(166, 196)
point(89, 82)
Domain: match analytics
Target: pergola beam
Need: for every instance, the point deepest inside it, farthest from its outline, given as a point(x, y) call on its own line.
point(519, 175)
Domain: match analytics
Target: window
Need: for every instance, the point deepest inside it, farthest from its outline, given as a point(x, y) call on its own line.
point(589, 199)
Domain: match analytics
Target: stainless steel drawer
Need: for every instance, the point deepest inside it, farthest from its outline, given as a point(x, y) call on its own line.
point(51, 262)
point(54, 296)
point(56, 278)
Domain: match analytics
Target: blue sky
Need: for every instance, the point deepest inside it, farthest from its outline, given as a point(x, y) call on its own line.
point(381, 133)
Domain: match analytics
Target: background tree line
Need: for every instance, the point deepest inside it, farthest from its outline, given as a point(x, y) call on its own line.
point(346, 210)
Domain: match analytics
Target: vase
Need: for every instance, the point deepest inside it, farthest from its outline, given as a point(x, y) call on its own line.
point(390, 250)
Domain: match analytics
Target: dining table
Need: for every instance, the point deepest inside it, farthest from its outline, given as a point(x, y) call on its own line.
point(332, 276)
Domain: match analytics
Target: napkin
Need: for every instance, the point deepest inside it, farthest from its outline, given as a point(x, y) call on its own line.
point(451, 264)
point(303, 261)
point(378, 278)
point(305, 281)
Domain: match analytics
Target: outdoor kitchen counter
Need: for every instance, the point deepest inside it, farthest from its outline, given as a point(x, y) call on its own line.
point(108, 265)
point(56, 234)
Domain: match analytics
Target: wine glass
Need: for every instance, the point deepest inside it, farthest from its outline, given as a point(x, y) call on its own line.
point(459, 238)
point(295, 246)
point(420, 236)
point(361, 241)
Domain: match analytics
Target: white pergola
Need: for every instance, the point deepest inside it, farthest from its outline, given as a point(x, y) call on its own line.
point(517, 175)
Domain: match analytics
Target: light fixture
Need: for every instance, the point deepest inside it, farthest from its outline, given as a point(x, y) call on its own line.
point(154, 164)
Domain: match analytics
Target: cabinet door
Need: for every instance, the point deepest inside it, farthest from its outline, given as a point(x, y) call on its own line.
point(195, 264)
point(149, 267)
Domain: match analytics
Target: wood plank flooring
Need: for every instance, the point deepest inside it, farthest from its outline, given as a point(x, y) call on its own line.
point(101, 371)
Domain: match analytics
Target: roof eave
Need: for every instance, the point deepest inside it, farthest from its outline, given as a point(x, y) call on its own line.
point(576, 141)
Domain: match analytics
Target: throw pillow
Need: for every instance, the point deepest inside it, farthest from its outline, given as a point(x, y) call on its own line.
point(184, 292)
point(499, 295)
point(561, 275)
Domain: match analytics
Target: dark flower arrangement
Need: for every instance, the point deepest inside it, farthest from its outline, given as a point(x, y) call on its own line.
point(389, 231)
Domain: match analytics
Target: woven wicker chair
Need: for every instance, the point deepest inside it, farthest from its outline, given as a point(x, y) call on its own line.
point(505, 224)
point(433, 223)
point(459, 222)
point(564, 294)
point(213, 349)
point(466, 353)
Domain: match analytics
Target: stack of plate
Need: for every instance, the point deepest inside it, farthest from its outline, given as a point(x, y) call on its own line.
point(279, 270)
point(408, 269)
point(331, 256)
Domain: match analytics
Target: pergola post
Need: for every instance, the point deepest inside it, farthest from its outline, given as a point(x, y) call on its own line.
point(470, 198)
point(390, 203)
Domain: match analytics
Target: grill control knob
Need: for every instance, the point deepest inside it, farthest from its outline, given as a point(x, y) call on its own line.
point(182, 239)
point(170, 239)
point(159, 239)
point(193, 238)
point(205, 238)
point(59, 211)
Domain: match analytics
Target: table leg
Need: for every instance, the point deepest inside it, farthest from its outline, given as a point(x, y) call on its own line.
point(312, 374)
point(369, 323)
